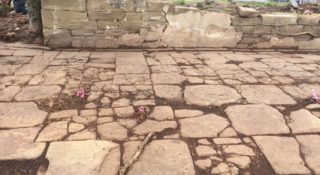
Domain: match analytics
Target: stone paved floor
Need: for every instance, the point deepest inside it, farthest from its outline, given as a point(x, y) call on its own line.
point(223, 112)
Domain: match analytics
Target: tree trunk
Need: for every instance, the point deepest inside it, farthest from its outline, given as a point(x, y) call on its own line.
point(34, 11)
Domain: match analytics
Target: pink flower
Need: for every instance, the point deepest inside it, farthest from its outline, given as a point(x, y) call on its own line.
point(315, 96)
point(141, 109)
point(80, 93)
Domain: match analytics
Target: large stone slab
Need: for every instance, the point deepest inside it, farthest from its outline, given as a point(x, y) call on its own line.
point(202, 29)
point(54, 132)
point(169, 92)
point(78, 157)
point(279, 19)
point(8, 93)
point(112, 131)
point(167, 78)
point(18, 115)
point(257, 119)
point(130, 59)
point(207, 95)
point(204, 126)
point(310, 148)
point(154, 126)
point(17, 144)
point(266, 94)
point(38, 93)
point(283, 154)
point(303, 121)
point(164, 157)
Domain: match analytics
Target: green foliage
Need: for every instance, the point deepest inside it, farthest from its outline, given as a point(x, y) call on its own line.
point(185, 2)
point(263, 4)
point(180, 2)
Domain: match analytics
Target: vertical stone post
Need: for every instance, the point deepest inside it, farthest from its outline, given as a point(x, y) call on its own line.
point(34, 12)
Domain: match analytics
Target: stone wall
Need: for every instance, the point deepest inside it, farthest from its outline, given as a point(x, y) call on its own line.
point(279, 31)
point(157, 23)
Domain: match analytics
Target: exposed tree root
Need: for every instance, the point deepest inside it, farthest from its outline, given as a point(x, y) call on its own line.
point(124, 169)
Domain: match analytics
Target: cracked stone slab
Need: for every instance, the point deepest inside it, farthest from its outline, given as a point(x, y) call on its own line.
point(162, 113)
point(8, 93)
point(164, 157)
point(132, 70)
point(22, 114)
point(207, 95)
point(130, 59)
point(310, 149)
point(112, 131)
point(257, 119)
point(131, 79)
point(283, 154)
point(167, 78)
point(169, 92)
point(17, 144)
point(303, 121)
point(209, 125)
point(79, 157)
point(53, 132)
point(266, 94)
point(154, 126)
point(38, 93)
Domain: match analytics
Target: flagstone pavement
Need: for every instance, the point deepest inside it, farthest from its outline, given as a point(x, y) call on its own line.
point(213, 112)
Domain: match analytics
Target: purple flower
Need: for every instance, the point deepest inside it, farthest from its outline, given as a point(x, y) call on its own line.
point(80, 93)
point(315, 96)
point(141, 109)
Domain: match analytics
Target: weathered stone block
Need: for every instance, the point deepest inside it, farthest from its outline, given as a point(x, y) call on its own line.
point(287, 42)
point(157, 6)
point(132, 26)
point(309, 19)
point(154, 16)
point(47, 18)
point(82, 33)
point(279, 19)
point(77, 5)
point(73, 24)
point(107, 16)
point(96, 5)
point(57, 38)
point(312, 45)
point(290, 30)
point(134, 16)
point(257, 29)
point(246, 21)
point(247, 12)
point(107, 25)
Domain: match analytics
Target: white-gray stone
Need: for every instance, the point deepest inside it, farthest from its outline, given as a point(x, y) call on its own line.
point(164, 157)
point(17, 144)
point(303, 121)
point(282, 153)
point(161, 113)
point(204, 126)
point(78, 157)
point(38, 93)
point(112, 131)
point(18, 115)
point(154, 126)
point(53, 132)
point(310, 149)
point(207, 95)
point(265, 94)
point(257, 119)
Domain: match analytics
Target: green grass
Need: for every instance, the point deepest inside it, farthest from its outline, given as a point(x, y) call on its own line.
point(263, 4)
point(184, 2)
